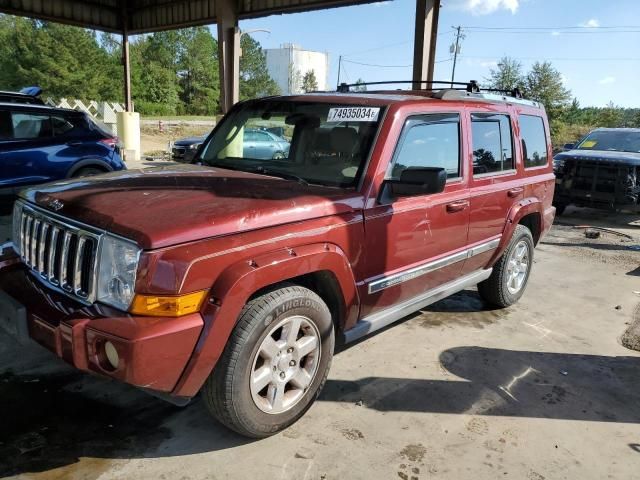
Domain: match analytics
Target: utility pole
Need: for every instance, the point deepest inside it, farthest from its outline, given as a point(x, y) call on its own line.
point(339, 65)
point(456, 50)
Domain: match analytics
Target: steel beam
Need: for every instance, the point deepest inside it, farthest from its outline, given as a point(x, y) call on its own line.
point(424, 47)
point(228, 54)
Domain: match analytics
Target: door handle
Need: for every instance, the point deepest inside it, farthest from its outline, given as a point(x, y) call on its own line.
point(514, 192)
point(74, 144)
point(457, 206)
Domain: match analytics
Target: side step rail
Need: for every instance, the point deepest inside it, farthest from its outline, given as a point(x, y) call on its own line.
point(390, 315)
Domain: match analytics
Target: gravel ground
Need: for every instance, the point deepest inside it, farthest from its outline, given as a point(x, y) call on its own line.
point(541, 390)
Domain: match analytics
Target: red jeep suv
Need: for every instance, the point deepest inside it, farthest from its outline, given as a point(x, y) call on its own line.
point(234, 276)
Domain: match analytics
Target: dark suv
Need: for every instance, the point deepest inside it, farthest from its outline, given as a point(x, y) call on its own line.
point(234, 277)
point(39, 144)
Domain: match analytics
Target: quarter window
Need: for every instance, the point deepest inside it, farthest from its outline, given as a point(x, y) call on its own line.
point(61, 125)
point(492, 143)
point(534, 141)
point(429, 141)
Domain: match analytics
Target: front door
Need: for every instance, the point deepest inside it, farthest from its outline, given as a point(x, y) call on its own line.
point(413, 244)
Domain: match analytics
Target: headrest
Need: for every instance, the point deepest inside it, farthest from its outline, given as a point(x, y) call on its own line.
point(344, 139)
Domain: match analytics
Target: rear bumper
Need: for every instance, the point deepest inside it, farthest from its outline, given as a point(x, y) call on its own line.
point(153, 352)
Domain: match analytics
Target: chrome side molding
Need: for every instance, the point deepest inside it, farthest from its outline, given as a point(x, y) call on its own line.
point(410, 274)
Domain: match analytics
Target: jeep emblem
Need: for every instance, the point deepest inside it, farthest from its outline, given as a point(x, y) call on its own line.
point(56, 205)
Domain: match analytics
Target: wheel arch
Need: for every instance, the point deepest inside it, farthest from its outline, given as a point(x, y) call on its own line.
point(89, 163)
point(323, 268)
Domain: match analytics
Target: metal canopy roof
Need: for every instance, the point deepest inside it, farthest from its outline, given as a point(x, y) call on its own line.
point(140, 16)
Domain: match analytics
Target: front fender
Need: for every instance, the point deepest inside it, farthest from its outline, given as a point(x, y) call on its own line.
point(236, 284)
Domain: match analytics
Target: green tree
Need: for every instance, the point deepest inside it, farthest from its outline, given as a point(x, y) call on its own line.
point(255, 80)
point(309, 82)
point(65, 61)
point(507, 76)
point(544, 84)
point(360, 86)
point(610, 116)
point(198, 71)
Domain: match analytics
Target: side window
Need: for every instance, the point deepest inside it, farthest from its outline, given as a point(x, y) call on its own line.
point(29, 126)
point(250, 136)
point(429, 141)
point(61, 125)
point(492, 143)
point(534, 141)
point(6, 132)
point(263, 137)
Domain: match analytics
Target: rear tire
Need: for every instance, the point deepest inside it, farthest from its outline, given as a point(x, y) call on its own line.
point(88, 172)
point(275, 363)
point(511, 272)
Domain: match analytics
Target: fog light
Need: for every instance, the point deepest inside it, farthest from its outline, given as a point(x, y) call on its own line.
point(112, 354)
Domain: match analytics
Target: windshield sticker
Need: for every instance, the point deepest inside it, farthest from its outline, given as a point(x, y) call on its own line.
point(353, 114)
point(588, 144)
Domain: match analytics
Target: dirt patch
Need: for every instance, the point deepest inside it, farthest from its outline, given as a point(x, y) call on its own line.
point(414, 452)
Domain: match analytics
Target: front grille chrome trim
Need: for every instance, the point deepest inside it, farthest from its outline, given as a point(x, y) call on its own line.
point(60, 252)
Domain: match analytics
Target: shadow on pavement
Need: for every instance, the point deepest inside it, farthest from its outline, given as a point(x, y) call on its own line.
point(509, 383)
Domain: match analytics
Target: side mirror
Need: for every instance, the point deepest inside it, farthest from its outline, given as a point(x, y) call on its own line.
point(414, 181)
point(569, 146)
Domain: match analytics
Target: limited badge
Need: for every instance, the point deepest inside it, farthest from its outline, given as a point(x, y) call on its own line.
point(353, 114)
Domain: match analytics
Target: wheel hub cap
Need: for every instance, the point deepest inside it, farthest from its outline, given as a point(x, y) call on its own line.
point(285, 364)
point(518, 267)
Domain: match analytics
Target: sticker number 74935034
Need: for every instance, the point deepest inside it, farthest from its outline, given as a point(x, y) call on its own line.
point(353, 114)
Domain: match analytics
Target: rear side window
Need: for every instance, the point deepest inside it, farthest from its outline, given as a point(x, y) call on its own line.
point(5, 125)
point(534, 141)
point(492, 143)
point(61, 125)
point(30, 126)
point(429, 141)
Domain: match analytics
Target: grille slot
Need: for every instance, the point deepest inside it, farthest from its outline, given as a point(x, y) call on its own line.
point(63, 255)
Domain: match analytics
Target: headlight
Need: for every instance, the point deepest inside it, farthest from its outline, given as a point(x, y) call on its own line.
point(117, 272)
point(17, 223)
point(194, 146)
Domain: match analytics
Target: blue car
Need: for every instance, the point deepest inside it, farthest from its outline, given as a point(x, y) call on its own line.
point(40, 144)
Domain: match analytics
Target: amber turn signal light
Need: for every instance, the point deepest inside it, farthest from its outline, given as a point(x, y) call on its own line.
point(167, 306)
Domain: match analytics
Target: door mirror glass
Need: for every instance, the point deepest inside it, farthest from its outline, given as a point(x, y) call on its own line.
point(415, 181)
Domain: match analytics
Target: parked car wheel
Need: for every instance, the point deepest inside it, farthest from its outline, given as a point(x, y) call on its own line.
point(275, 362)
point(88, 172)
point(511, 272)
point(278, 156)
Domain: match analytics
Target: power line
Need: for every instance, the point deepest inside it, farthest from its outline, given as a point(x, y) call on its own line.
point(601, 59)
point(560, 32)
point(551, 28)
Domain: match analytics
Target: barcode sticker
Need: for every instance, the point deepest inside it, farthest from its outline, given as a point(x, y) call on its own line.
point(353, 114)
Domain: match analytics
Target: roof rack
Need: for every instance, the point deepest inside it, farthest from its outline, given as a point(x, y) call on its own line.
point(471, 86)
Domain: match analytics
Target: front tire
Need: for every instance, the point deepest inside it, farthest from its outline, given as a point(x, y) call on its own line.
point(511, 272)
point(275, 363)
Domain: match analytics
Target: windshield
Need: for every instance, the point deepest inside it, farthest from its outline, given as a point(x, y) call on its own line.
point(612, 140)
point(312, 142)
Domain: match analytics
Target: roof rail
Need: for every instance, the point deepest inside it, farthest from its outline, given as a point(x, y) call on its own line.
point(471, 86)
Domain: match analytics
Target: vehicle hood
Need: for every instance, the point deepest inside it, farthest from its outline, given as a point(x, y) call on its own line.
point(605, 156)
point(163, 206)
point(189, 141)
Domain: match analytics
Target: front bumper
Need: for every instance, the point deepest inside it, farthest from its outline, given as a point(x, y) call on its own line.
point(153, 351)
point(183, 154)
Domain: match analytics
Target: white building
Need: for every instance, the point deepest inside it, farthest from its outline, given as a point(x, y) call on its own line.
point(288, 64)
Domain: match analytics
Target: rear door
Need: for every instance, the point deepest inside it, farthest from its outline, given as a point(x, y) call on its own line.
point(409, 242)
point(495, 184)
point(26, 147)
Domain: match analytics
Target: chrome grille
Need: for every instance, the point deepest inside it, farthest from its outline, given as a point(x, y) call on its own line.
point(59, 253)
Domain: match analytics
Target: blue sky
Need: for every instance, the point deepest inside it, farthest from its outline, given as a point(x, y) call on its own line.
point(599, 63)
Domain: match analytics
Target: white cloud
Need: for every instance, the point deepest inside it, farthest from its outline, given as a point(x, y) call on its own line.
point(591, 23)
point(607, 80)
point(555, 34)
point(484, 7)
point(382, 4)
point(490, 64)
point(564, 79)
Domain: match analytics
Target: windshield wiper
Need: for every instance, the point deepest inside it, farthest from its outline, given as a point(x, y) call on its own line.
point(277, 173)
